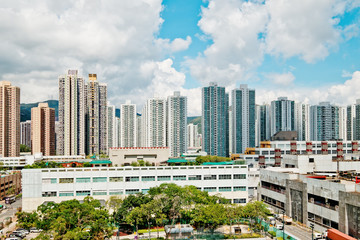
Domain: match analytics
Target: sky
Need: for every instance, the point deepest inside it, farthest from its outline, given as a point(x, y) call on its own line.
point(306, 50)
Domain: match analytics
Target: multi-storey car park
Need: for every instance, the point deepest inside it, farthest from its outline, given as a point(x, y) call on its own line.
point(60, 184)
point(315, 189)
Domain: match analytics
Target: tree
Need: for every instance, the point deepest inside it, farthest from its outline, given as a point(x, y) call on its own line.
point(114, 203)
point(210, 216)
point(71, 220)
point(24, 148)
point(27, 220)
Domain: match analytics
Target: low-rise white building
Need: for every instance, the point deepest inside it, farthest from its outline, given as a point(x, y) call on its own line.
point(60, 184)
point(123, 156)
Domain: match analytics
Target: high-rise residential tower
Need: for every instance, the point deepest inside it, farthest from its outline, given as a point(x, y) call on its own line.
point(128, 123)
point(9, 120)
point(353, 121)
point(176, 124)
point(302, 121)
point(72, 110)
point(154, 123)
point(194, 138)
point(215, 120)
point(243, 118)
point(282, 115)
point(112, 127)
point(264, 122)
point(97, 116)
point(324, 122)
point(43, 130)
point(25, 133)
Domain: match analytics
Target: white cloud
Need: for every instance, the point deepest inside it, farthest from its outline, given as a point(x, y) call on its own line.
point(243, 32)
point(40, 40)
point(302, 28)
point(340, 94)
point(233, 26)
point(283, 79)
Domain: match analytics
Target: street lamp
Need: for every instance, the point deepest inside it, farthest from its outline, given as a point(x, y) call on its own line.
point(283, 212)
point(312, 230)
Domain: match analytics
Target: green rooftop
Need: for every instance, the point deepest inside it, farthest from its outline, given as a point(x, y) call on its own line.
point(177, 160)
point(101, 162)
point(219, 163)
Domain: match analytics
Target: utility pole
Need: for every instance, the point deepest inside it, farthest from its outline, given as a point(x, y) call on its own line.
point(312, 231)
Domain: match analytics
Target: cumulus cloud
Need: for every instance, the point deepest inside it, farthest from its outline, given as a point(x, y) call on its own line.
point(283, 79)
point(340, 94)
point(40, 40)
point(243, 32)
point(233, 27)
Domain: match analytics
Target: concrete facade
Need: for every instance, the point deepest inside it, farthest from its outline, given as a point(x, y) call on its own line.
point(43, 130)
point(330, 203)
point(9, 120)
point(10, 184)
point(45, 185)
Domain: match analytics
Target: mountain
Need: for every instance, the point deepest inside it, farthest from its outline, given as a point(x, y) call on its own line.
point(25, 109)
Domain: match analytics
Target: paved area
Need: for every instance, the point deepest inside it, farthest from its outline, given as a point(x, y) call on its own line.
point(297, 231)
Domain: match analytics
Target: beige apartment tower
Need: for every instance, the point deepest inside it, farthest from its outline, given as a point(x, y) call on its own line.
point(9, 120)
point(43, 130)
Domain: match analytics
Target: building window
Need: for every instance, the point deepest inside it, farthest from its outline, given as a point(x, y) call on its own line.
point(209, 177)
point(224, 189)
point(83, 180)
point(66, 194)
point(49, 181)
point(66, 180)
point(49, 194)
point(131, 191)
point(148, 178)
point(239, 176)
point(115, 192)
point(239, 188)
point(224, 176)
point(179, 178)
point(194, 177)
point(311, 160)
point(144, 191)
point(99, 179)
point(209, 189)
point(82, 193)
point(131, 179)
point(116, 179)
point(239, 200)
point(164, 178)
point(99, 192)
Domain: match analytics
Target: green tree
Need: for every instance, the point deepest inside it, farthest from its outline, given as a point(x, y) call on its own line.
point(209, 216)
point(24, 148)
point(27, 219)
point(72, 220)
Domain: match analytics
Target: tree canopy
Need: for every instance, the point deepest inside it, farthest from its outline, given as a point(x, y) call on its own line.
point(42, 164)
point(69, 220)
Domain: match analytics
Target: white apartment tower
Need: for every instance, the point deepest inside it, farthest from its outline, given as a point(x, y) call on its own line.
point(154, 123)
point(72, 110)
point(128, 125)
point(25, 133)
point(194, 138)
point(112, 127)
point(302, 121)
point(97, 116)
point(176, 125)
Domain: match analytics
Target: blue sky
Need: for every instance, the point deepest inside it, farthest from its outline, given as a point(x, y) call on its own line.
point(181, 19)
point(305, 50)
